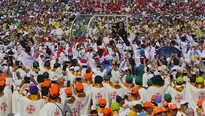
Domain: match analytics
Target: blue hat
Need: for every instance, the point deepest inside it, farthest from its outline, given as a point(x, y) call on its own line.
point(33, 89)
point(142, 114)
point(158, 99)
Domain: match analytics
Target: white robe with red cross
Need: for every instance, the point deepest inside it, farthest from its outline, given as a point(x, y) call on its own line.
point(159, 91)
point(113, 93)
point(193, 94)
point(71, 108)
point(177, 96)
point(5, 102)
point(97, 94)
point(51, 109)
point(28, 107)
point(83, 104)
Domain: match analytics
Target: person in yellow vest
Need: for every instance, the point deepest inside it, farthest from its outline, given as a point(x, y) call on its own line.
point(102, 104)
point(200, 110)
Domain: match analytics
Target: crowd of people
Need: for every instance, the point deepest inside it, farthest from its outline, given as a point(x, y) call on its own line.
point(151, 65)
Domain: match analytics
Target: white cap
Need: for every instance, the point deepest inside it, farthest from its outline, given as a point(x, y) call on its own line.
point(76, 68)
point(183, 102)
point(124, 69)
point(17, 114)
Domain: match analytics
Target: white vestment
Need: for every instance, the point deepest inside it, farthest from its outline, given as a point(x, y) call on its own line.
point(5, 102)
point(51, 109)
point(176, 95)
point(83, 104)
point(97, 94)
point(29, 107)
point(193, 94)
point(160, 91)
point(113, 93)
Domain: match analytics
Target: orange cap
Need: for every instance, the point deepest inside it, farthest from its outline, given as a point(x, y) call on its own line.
point(155, 111)
point(173, 106)
point(148, 105)
point(3, 76)
point(46, 83)
point(162, 109)
point(79, 86)
point(56, 86)
point(87, 76)
point(107, 111)
point(68, 91)
point(102, 102)
point(89, 111)
point(62, 80)
point(25, 87)
point(135, 90)
point(165, 103)
point(54, 92)
point(2, 83)
point(200, 102)
point(153, 97)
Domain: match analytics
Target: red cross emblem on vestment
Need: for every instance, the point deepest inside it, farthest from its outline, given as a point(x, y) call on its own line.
point(202, 96)
point(75, 111)
point(4, 107)
point(56, 113)
point(98, 96)
point(80, 105)
point(30, 109)
point(178, 98)
point(113, 95)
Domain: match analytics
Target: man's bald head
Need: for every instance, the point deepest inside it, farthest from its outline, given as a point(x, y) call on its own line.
point(189, 112)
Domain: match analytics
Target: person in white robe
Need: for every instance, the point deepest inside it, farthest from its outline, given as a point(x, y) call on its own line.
point(195, 92)
point(128, 85)
point(5, 99)
point(98, 91)
point(53, 107)
point(71, 103)
point(178, 91)
point(31, 104)
point(158, 88)
point(83, 99)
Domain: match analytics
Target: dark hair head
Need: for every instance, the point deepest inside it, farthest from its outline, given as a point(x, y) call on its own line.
point(56, 65)
point(35, 64)
point(44, 91)
point(176, 61)
point(93, 112)
point(98, 80)
point(40, 78)
point(47, 63)
point(46, 75)
point(2, 88)
point(27, 80)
